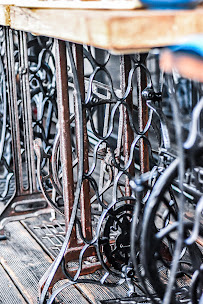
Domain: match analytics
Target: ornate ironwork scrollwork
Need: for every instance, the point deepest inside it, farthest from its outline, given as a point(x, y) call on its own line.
point(87, 172)
point(105, 158)
point(168, 241)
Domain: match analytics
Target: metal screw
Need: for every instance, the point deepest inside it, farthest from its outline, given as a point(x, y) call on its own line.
point(22, 70)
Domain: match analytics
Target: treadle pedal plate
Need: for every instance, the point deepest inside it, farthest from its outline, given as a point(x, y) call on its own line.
point(131, 300)
point(49, 234)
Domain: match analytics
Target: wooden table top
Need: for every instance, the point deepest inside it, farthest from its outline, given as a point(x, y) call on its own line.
point(121, 31)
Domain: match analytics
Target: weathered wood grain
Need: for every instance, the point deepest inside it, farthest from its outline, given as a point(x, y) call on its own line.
point(4, 14)
point(77, 4)
point(8, 290)
point(25, 262)
point(119, 31)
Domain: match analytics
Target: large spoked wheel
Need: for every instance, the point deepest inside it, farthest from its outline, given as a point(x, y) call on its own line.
point(167, 212)
point(158, 237)
point(114, 239)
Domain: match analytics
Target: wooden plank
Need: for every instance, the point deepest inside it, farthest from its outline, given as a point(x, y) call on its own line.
point(4, 14)
point(8, 291)
point(76, 4)
point(95, 292)
point(119, 31)
point(25, 262)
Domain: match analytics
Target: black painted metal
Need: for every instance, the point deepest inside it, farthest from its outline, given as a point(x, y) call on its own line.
point(152, 230)
point(28, 99)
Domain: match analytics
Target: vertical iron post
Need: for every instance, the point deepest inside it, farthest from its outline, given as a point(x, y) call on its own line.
point(85, 189)
point(64, 128)
point(125, 67)
point(143, 115)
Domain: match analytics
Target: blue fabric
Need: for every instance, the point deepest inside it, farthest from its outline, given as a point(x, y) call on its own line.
point(170, 4)
point(193, 46)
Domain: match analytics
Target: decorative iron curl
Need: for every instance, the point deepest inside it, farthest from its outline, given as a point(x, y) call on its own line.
point(152, 236)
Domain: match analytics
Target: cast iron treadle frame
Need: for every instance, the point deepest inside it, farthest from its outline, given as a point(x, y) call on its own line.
point(72, 247)
point(27, 200)
point(72, 175)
